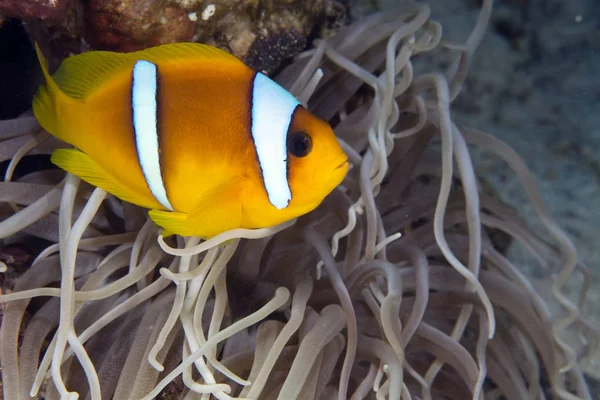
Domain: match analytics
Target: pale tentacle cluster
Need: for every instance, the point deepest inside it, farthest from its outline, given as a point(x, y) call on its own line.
point(410, 297)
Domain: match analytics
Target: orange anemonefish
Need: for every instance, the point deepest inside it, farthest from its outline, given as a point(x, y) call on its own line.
point(191, 133)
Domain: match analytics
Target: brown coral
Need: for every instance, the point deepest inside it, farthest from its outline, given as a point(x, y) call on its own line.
point(43, 9)
point(134, 25)
point(262, 33)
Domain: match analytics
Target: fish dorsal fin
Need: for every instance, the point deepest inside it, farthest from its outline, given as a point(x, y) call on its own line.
point(188, 52)
point(79, 75)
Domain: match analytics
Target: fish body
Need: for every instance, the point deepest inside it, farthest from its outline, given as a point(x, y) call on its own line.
point(191, 133)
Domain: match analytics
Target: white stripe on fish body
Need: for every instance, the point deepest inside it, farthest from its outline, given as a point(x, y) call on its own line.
point(144, 104)
point(272, 111)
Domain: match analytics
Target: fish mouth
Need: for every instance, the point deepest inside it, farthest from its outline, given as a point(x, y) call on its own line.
point(343, 164)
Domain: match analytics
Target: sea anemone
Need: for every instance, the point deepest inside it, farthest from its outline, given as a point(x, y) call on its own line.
point(392, 288)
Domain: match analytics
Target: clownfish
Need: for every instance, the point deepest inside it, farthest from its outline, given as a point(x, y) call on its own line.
point(191, 133)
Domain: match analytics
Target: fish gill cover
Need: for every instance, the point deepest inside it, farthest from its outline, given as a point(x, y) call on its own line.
point(393, 288)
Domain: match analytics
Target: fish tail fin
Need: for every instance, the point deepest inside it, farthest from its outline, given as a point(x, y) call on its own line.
point(45, 100)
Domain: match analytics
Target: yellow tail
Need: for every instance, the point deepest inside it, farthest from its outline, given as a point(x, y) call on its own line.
point(44, 101)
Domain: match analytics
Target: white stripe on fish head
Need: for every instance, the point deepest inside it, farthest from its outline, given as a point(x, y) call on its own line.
point(144, 92)
point(272, 111)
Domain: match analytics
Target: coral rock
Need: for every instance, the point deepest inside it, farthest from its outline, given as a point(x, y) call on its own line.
point(16, 255)
point(262, 33)
point(128, 25)
point(267, 52)
point(43, 9)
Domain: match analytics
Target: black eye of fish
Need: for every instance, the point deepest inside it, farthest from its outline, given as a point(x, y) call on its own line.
point(299, 144)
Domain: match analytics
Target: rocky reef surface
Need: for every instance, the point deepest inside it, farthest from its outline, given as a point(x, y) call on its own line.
point(263, 33)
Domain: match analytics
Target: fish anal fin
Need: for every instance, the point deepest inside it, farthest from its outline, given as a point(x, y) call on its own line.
point(81, 165)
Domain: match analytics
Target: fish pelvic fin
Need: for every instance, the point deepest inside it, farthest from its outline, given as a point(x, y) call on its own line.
point(172, 222)
point(81, 165)
point(209, 220)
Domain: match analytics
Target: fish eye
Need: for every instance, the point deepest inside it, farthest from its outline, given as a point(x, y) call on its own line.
point(299, 144)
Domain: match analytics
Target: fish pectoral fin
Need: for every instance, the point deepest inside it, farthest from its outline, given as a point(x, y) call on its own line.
point(81, 165)
point(210, 219)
